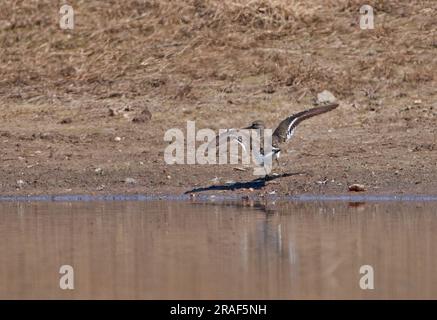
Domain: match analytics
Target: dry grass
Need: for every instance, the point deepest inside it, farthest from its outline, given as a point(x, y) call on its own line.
point(140, 48)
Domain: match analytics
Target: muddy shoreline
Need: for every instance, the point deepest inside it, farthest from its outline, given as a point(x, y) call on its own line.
point(355, 200)
point(75, 121)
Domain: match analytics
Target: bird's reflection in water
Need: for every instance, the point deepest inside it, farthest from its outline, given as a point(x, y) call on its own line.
point(267, 237)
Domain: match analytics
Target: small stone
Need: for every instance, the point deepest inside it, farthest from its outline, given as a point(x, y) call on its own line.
point(290, 81)
point(215, 180)
point(113, 112)
point(98, 171)
point(168, 177)
point(418, 101)
point(117, 139)
point(130, 181)
point(228, 89)
point(146, 113)
point(325, 97)
point(66, 121)
point(20, 183)
point(139, 119)
point(357, 187)
point(144, 116)
point(323, 182)
point(269, 89)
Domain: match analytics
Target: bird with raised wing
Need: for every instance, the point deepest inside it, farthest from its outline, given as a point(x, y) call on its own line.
point(287, 127)
point(281, 134)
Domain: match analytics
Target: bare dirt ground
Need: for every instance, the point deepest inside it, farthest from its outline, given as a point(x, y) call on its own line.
point(73, 119)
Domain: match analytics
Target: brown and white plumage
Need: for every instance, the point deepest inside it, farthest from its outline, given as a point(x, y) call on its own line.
point(286, 128)
point(283, 132)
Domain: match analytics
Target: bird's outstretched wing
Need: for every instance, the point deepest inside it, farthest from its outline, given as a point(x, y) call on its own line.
point(285, 129)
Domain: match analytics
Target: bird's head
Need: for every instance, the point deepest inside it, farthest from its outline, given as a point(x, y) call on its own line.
point(257, 124)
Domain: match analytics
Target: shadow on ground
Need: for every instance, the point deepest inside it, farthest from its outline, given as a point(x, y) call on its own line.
point(254, 184)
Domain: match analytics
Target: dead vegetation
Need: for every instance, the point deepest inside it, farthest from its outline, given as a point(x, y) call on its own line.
point(135, 48)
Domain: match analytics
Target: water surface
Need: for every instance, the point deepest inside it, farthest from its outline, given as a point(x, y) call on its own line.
point(218, 250)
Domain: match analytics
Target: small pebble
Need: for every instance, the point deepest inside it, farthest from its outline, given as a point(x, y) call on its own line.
point(66, 121)
point(20, 183)
point(357, 187)
point(215, 180)
point(130, 181)
point(325, 97)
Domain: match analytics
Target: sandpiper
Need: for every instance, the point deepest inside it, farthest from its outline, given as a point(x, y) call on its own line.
point(282, 133)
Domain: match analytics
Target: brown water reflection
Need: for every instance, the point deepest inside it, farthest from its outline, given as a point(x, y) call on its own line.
point(172, 250)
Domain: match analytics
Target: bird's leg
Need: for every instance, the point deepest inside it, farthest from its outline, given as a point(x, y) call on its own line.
point(267, 176)
point(276, 158)
point(278, 169)
point(277, 162)
point(269, 171)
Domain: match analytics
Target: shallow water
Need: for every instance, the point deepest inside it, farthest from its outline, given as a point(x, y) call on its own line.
point(218, 250)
